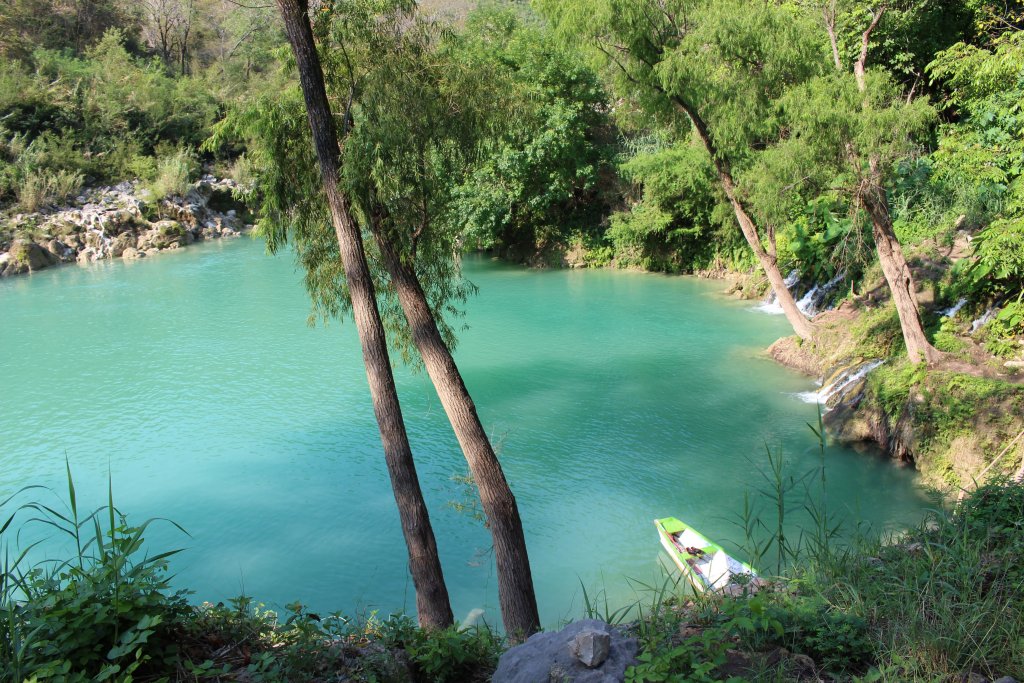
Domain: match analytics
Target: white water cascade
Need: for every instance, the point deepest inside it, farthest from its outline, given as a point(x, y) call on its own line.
point(771, 303)
point(838, 388)
point(954, 309)
point(980, 322)
point(810, 303)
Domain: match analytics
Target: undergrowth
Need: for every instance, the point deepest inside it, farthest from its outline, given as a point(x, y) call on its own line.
point(939, 602)
point(107, 612)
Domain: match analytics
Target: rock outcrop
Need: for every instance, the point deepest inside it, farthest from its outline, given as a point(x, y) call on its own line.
point(25, 257)
point(587, 651)
point(117, 222)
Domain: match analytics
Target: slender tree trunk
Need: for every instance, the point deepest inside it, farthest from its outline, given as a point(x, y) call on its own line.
point(899, 278)
point(769, 263)
point(432, 604)
point(887, 245)
point(515, 582)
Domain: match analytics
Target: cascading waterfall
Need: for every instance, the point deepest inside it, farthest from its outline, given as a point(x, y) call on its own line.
point(770, 304)
point(980, 322)
point(810, 303)
point(102, 242)
point(954, 309)
point(838, 387)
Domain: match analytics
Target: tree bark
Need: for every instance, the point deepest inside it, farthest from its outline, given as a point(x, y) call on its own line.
point(432, 604)
point(769, 263)
point(515, 583)
point(899, 278)
point(887, 245)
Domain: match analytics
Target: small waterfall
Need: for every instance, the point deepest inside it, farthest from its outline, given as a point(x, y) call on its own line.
point(980, 322)
point(102, 243)
point(810, 303)
point(954, 309)
point(770, 304)
point(838, 387)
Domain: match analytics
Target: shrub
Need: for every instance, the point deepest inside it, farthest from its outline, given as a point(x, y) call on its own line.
point(103, 614)
point(42, 188)
point(174, 174)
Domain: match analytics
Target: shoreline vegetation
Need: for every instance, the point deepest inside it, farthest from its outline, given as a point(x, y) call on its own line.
point(937, 601)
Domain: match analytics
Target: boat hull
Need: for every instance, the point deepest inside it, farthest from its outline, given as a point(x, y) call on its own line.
point(704, 563)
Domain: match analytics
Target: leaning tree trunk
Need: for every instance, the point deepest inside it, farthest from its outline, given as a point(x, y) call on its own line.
point(769, 263)
point(515, 583)
point(898, 276)
point(887, 245)
point(432, 604)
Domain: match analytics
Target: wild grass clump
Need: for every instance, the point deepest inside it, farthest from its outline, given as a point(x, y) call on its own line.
point(105, 613)
point(947, 598)
point(174, 174)
point(43, 188)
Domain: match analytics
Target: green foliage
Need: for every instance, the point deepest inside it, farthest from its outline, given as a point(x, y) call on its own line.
point(452, 655)
point(877, 331)
point(947, 339)
point(825, 240)
point(104, 614)
point(982, 154)
point(679, 223)
point(42, 188)
point(100, 113)
point(997, 270)
point(1002, 332)
point(943, 599)
point(173, 174)
point(838, 640)
point(908, 37)
point(539, 177)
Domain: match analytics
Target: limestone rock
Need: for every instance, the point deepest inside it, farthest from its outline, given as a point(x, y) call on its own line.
point(591, 647)
point(105, 222)
point(61, 250)
point(132, 253)
point(124, 241)
point(25, 256)
point(548, 657)
point(161, 235)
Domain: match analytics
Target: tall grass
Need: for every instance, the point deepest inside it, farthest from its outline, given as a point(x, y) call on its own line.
point(174, 174)
point(46, 187)
point(103, 613)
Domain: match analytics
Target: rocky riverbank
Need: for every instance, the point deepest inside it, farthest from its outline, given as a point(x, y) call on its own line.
point(120, 222)
point(955, 421)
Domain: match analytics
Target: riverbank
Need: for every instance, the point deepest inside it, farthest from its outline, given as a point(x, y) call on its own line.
point(957, 421)
point(940, 602)
point(122, 221)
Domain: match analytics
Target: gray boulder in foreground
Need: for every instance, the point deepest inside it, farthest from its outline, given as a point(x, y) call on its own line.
point(552, 657)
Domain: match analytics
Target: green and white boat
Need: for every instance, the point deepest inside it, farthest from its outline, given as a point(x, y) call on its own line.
point(704, 563)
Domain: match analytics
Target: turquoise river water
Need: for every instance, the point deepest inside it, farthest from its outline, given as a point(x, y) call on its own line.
point(194, 379)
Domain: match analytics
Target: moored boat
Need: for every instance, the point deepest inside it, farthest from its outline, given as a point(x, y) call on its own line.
point(704, 563)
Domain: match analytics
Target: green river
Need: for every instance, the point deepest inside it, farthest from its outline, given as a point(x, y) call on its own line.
point(195, 381)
